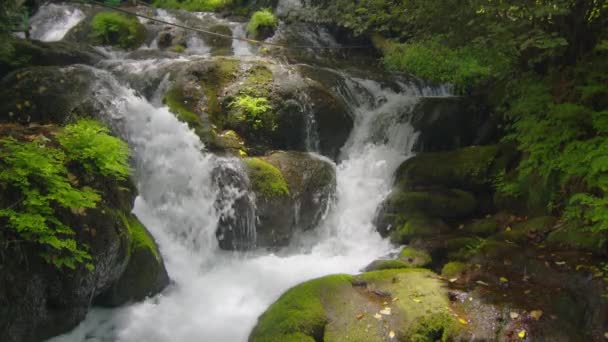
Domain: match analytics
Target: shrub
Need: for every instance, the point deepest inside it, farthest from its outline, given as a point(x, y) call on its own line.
point(261, 19)
point(116, 29)
point(34, 178)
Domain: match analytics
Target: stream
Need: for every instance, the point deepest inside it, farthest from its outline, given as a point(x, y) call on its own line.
point(217, 295)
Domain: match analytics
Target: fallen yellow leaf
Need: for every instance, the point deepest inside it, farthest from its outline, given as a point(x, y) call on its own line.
point(360, 316)
point(513, 315)
point(522, 334)
point(536, 314)
point(504, 280)
point(386, 311)
point(416, 300)
point(463, 321)
point(378, 316)
point(391, 334)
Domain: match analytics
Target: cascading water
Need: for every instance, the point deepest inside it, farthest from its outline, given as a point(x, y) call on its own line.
point(53, 21)
point(218, 295)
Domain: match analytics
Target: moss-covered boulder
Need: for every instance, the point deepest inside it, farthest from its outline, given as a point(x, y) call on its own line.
point(19, 53)
point(46, 95)
point(293, 191)
point(571, 237)
point(482, 227)
point(117, 29)
point(470, 168)
point(417, 226)
point(453, 269)
point(404, 305)
point(46, 291)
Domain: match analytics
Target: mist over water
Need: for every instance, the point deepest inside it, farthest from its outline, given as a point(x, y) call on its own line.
point(217, 295)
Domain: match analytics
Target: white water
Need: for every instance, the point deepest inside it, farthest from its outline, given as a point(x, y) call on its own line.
point(52, 22)
point(218, 295)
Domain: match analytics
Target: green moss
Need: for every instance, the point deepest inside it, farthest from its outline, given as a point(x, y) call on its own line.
point(178, 48)
point(417, 226)
point(415, 257)
point(263, 19)
point(378, 265)
point(266, 179)
point(214, 81)
point(444, 204)
point(174, 100)
point(452, 269)
point(464, 247)
point(468, 168)
point(299, 314)
point(482, 227)
point(193, 5)
point(138, 235)
point(259, 77)
point(116, 29)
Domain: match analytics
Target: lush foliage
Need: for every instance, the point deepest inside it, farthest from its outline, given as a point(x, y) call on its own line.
point(117, 29)
point(260, 19)
point(89, 144)
point(193, 5)
point(560, 122)
point(35, 175)
point(488, 38)
point(257, 112)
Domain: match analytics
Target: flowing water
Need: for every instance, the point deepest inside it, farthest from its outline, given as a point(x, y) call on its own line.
point(217, 295)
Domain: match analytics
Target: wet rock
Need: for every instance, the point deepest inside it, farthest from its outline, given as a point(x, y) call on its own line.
point(27, 53)
point(311, 184)
point(46, 95)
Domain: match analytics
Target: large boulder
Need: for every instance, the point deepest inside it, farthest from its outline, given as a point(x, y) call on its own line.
point(295, 199)
point(39, 299)
point(46, 94)
point(291, 191)
point(400, 305)
point(24, 53)
point(270, 106)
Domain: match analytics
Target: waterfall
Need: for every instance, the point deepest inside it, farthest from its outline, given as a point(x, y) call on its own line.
point(52, 22)
point(218, 295)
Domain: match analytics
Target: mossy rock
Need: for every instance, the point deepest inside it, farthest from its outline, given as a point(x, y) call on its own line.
point(46, 95)
point(220, 46)
point(571, 237)
point(437, 203)
point(462, 248)
point(145, 274)
point(20, 53)
point(415, 257)
point(482, 227)
point(342, 308)
point(532, 229)
point(378, 265)
point(453, 269)
point(418, 226)
point(116, 29)
point(470, 168)
point(267, 181)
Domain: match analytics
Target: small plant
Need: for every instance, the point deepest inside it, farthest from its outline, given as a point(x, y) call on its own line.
point(256, 112)
point(263, 19)
point(117, 29)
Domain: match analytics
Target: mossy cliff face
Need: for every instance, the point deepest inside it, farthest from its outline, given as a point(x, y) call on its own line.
point(404, 305)
point(39, 300)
